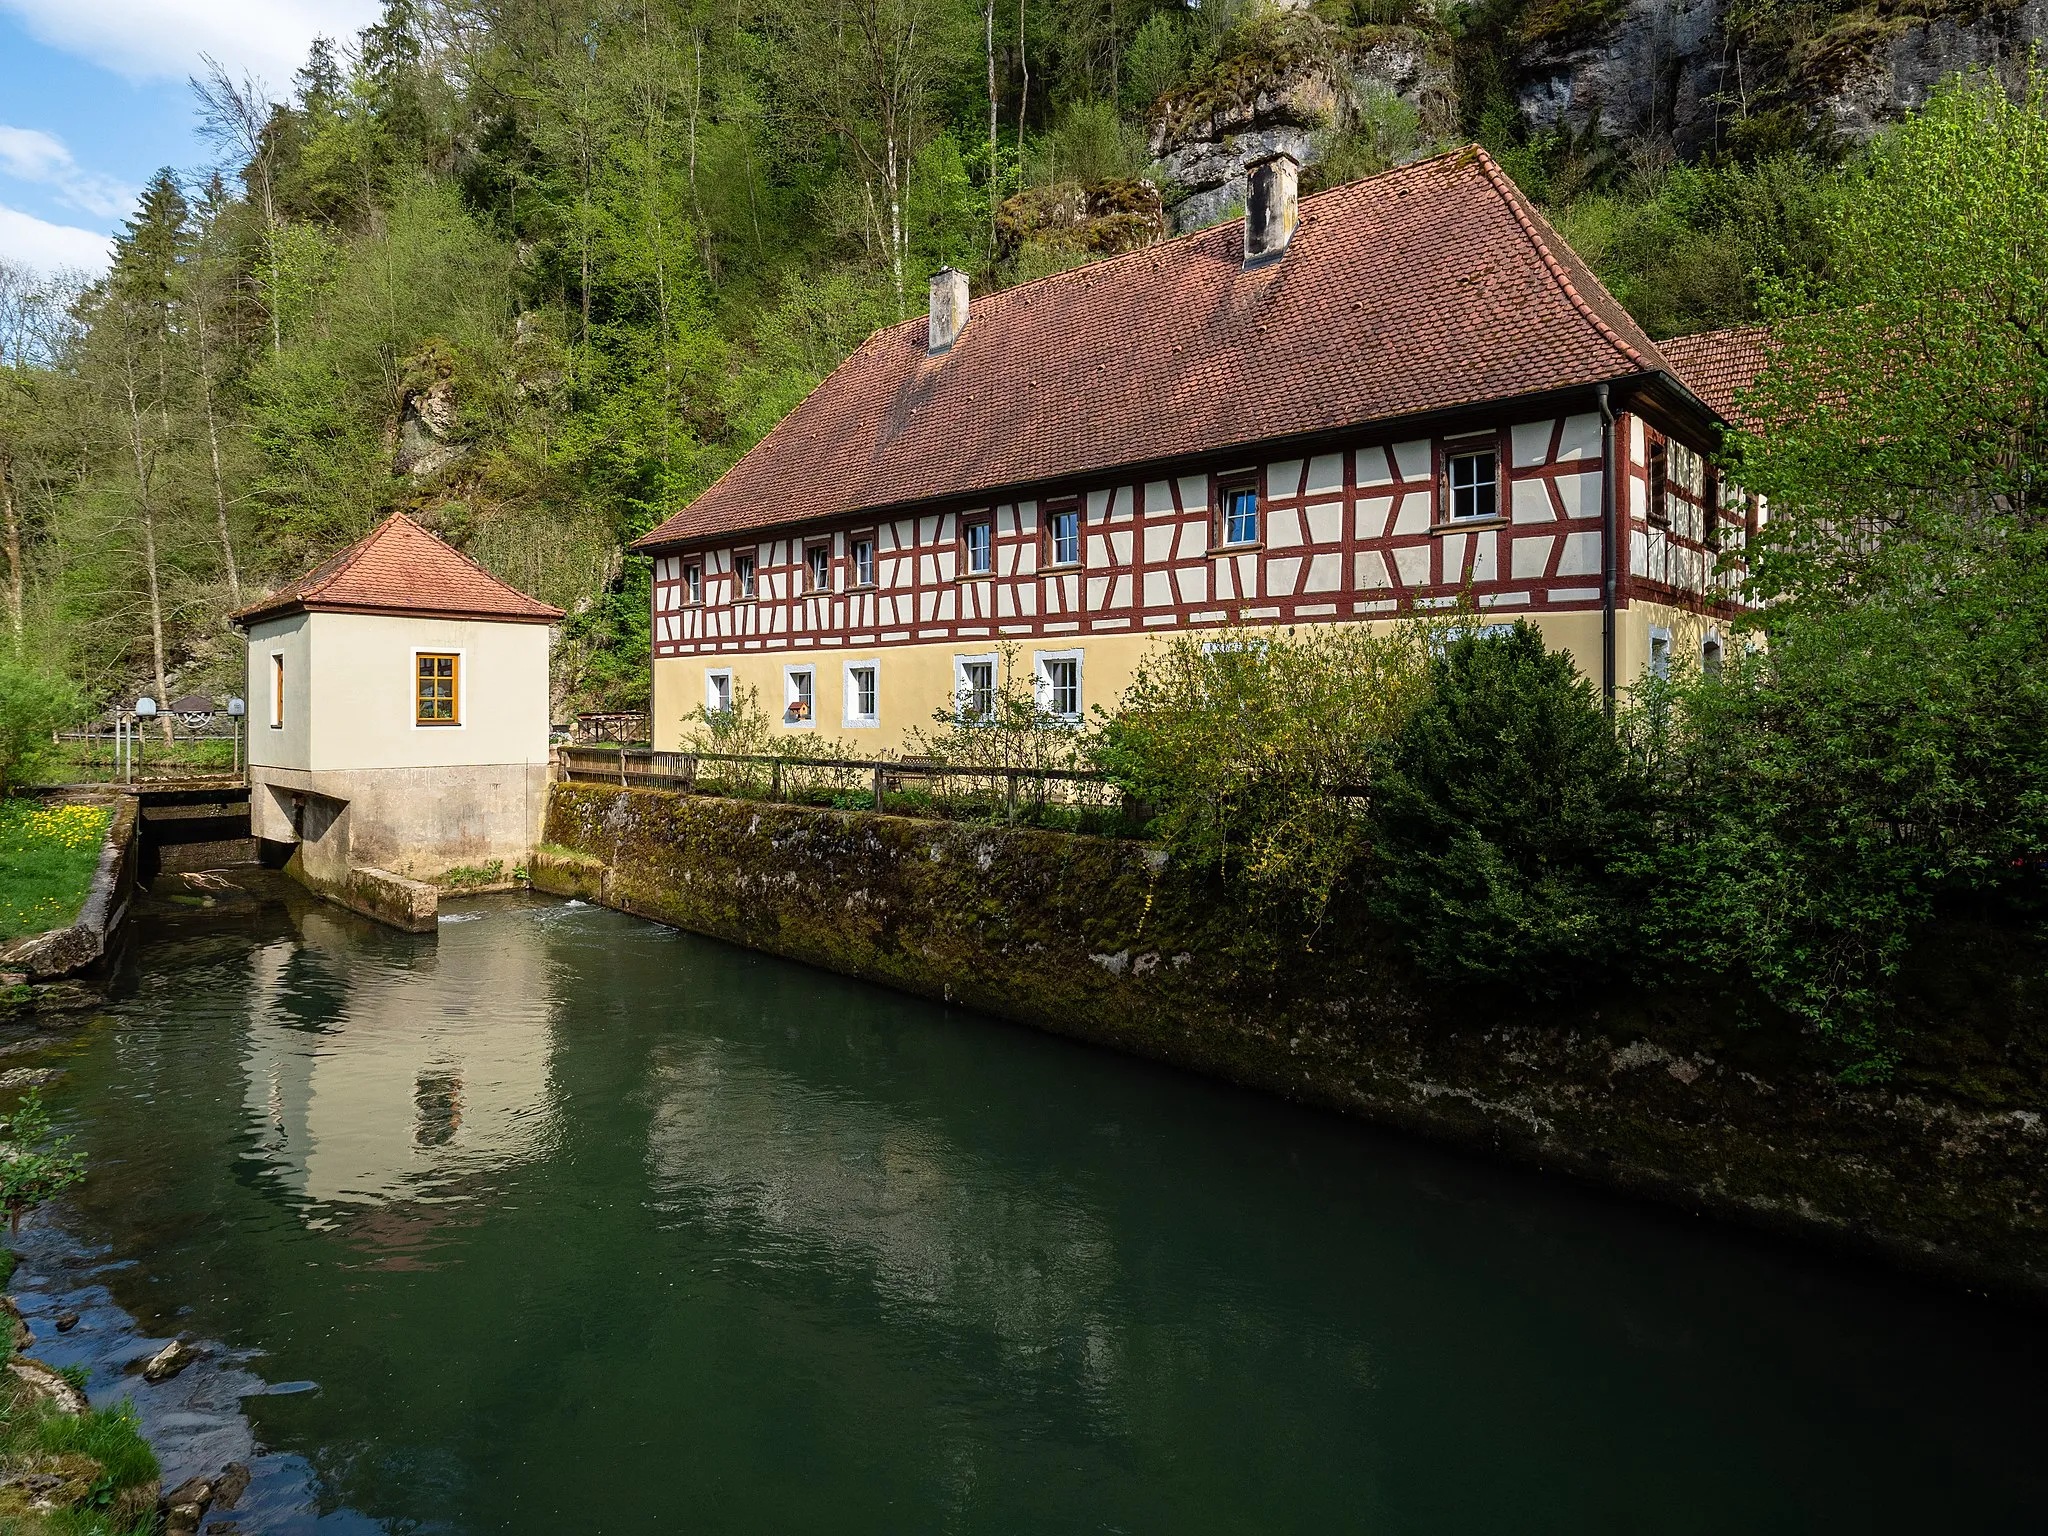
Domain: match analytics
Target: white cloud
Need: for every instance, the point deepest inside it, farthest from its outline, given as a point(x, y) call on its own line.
point(28, 241)
point(29, 154)
point(163, 39)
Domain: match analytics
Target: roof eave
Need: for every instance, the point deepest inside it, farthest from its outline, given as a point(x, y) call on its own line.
point(1392, 427)
point(249, 618)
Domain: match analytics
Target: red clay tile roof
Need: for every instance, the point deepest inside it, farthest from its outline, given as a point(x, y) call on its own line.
point(1425, 288)
point(1718, 365)
point(399, 567)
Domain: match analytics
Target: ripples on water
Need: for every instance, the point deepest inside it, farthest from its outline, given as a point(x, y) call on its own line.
point(575, 1223)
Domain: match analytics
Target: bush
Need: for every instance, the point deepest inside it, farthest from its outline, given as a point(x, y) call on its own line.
point(1259, 750)
point(1499, 819)
point(33, 707)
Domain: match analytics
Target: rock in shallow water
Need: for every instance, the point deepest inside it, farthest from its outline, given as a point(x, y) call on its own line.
point(66, 1321)
point(168, 1361)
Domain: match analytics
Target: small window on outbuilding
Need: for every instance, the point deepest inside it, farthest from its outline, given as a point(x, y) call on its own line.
point(435, 678)
point(277, 690)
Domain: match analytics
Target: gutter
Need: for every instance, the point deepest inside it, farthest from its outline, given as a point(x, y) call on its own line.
point(1607, 551)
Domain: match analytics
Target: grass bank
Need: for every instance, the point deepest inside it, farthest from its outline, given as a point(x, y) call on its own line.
point(70, 1474)
point(47, 857)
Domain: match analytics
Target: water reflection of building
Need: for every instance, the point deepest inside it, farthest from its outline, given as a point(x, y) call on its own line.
point(797, 1176)
point(378, 1076)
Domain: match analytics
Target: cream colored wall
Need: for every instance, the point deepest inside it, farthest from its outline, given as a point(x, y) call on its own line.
point(916, 680)
point(290, 745)
point(363, 672)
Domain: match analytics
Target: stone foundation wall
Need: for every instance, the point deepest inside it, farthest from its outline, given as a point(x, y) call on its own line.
point(1104, 941)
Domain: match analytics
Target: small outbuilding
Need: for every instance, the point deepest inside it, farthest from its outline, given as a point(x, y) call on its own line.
point(398, 721)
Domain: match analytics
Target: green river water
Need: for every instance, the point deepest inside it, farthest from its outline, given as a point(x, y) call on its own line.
point(560, 1221)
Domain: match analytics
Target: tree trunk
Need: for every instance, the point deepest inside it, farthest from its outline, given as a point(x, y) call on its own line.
point(156, 597)
point(1024, 69)
point(220, 491)
point(988, 28)
point(12, 511)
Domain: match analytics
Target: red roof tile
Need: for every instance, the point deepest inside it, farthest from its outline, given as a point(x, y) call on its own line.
point(399, 567)
point(1425, 288)
point(1719, 365)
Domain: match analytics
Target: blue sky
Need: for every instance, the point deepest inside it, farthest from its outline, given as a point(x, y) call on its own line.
point(93, 98)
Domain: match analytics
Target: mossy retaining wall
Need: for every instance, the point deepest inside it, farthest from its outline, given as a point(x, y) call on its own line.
point(1103, 941)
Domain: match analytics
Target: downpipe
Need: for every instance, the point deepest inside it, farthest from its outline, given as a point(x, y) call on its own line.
point(1607, 551)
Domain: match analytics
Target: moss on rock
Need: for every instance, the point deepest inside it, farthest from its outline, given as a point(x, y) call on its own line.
point(1666, 1096)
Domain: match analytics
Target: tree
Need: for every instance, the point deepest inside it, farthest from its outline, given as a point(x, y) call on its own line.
point(1500, 818)
point(33, 706)
point(1884, 756)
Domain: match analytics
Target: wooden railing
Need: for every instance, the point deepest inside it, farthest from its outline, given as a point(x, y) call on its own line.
point(905, 785)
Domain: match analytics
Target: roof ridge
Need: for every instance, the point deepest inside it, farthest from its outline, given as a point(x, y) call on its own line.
point(1107, 262)
point(475, 564)
point(1511, 194)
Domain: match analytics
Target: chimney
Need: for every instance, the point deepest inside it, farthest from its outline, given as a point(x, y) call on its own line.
point(949, 310)
point(1271, 207)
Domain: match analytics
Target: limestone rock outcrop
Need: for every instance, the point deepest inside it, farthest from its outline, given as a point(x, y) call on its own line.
point(1291, 84)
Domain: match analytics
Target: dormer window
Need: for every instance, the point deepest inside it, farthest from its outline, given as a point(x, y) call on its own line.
point(1472, 478)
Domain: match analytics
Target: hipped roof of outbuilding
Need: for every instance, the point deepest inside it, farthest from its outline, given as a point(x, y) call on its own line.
point(1426, 289)
point(400, 568)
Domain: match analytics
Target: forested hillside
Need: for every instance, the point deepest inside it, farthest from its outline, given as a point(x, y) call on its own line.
point(536, 273)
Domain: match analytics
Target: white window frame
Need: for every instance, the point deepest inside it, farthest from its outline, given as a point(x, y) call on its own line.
point(849, 712)
point(412, 704)
point(812, 549)
point(986, 525)
point(711, 680)
point(1712, 644)
point(961, 662)
point(789, 697)
point(693, 592)
point(748, 590)
point(1053, 518)
point(277, 690)
point(863, 577)
point(1659, 664)
point(1042, 682)
point(1470, 449)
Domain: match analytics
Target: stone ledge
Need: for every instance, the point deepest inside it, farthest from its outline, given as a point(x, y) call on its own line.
point(411, 906)
point(560, 872)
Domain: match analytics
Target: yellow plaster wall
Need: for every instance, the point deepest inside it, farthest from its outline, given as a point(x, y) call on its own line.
point(917, 680)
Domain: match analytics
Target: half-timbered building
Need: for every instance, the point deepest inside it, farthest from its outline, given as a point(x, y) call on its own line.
point(1403, 395)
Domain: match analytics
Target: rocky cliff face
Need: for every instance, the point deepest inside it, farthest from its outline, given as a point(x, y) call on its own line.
point(1679, 76)
point(1687, 73)
point(1293, 89)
